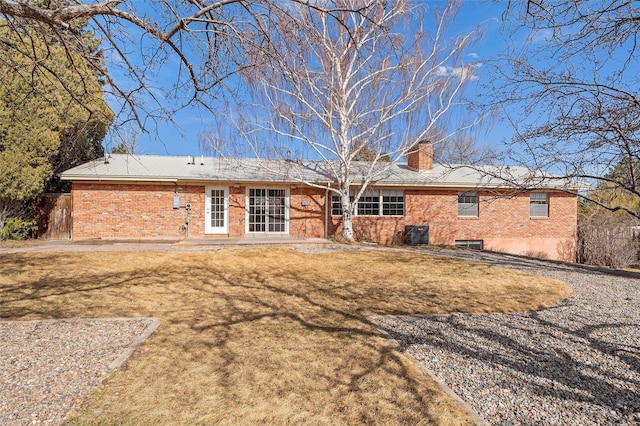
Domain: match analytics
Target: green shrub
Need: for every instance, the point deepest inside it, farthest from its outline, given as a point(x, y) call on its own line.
point(17, 229)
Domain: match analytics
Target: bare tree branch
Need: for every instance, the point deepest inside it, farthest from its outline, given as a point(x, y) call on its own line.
point(203, 44)
point(570, 90)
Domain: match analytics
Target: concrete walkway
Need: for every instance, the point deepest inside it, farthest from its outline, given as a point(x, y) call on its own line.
point(193, 244)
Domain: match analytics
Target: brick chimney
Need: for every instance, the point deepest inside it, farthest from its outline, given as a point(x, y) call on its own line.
point(420, 157)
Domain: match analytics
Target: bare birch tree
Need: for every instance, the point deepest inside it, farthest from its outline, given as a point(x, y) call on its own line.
point(367, 84)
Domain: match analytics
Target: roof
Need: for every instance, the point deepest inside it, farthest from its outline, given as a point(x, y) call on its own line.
point(123, 167)
point(156, 168)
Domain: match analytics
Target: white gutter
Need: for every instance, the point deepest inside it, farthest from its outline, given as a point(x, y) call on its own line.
point(379, 184)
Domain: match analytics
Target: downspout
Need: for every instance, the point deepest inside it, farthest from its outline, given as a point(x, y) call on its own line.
point(71, 214)
point(327, 203)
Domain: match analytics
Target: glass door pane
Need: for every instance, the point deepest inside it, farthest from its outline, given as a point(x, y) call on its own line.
point(267, 210)
point(277, 203)
point(257, 210)
point(217, 208)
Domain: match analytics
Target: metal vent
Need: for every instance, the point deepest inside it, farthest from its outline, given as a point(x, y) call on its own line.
point(470, 244)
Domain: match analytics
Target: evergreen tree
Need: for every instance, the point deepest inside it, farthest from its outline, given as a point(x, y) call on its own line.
point(52, 115)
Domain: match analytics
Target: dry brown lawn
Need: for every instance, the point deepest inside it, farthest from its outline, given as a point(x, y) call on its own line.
point(264, 336)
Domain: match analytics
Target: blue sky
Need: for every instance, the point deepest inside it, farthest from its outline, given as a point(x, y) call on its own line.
point(181, 136)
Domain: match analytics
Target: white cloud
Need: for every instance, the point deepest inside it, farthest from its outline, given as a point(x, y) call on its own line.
point(442, 71)
point(464, 72)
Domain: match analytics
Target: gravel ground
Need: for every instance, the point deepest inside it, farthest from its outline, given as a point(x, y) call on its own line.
point(48, 367)
point(577, 363)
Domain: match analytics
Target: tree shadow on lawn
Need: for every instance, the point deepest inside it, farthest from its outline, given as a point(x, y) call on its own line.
point(249, 336)
point(545, 358)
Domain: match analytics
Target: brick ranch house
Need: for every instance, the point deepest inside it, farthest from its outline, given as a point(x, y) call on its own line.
point(144, 196)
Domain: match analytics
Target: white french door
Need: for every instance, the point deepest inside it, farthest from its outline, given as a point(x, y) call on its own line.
point(216, 215)
point(267, 211)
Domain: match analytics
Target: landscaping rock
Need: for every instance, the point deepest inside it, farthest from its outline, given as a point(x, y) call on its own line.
point(577, 363)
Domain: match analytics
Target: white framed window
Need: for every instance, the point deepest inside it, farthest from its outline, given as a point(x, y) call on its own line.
point(539, 204)
point(369, 203)
point(468, 204)
point(336, 204)
point(392, 203)
point(373, 202)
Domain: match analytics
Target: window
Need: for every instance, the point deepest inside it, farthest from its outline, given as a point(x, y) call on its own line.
point(369, 203)
point(468, 204)
point(470, 244)
point(336, 205)
point(276, 210)
point(216, 210)
point(373, 203)
point(257, 210)
point(539, 204)
point(393, 203)
point(217, 216)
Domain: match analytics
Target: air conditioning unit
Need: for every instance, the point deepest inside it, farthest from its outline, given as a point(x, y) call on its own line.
point(416, 235)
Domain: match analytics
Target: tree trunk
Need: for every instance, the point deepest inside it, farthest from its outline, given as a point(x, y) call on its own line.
point(347, 227)
point(347, 216)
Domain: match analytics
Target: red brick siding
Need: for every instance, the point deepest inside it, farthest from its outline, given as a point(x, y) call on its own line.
point(499, 216)
point(112, 210)
point(378, 229)
point(304, 221)
point(237, 202)
point(503, 222)
point(307, 221)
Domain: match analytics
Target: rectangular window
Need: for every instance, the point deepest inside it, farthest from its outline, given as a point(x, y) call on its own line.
point(468, 204)
point(373, 203)
point(369, 203)
point(216, 210)
point(336, 206)
point(257, 210)
point(539, 204)
point(393, 203)
point(276, 210)
point(470, 244)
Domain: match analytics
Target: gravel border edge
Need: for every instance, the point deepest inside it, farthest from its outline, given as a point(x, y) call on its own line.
point(477, 418)
point(148, 331)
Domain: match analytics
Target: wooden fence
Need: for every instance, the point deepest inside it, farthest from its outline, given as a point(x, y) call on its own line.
point(54, 216)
